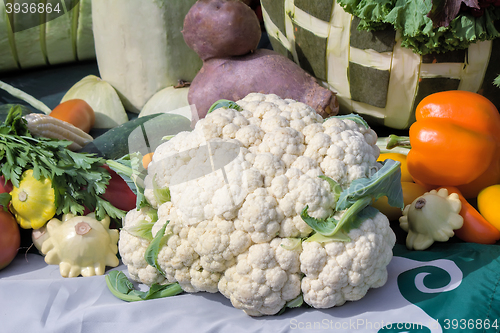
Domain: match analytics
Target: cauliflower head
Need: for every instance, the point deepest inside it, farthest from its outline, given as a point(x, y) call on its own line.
point(238, 184)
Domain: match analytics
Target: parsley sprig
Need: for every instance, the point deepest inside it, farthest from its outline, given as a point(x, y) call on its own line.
point(77, 178)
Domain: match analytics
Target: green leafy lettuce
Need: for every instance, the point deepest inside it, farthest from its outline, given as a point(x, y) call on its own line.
point(414, 18)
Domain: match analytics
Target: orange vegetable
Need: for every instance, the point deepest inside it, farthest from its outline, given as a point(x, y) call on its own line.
point(411, 191)
point(455, 141)
point(76, 112)
point(476, 229)
point(146, 159)
point(401, 158)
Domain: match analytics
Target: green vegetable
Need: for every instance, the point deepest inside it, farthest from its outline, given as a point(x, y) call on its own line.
point(335, 188)
point(497, 81)
point(418, 31)
point(121, 287)
point(385, 182)
point(297, 302)
point(354, 117)
point(162, 195)
point(143, 228)
point(224, 103)
point(443, 12)
point(330, 226)
point(386, 145)
point(137, 135)
point(151, 255)
point(356, 201)
point(77, 178)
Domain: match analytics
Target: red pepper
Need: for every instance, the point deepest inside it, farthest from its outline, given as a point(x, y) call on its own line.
point(5, 187)
point(475, 228)
point(118, 193)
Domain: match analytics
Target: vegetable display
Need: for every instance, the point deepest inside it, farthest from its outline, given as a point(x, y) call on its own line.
point(225, 34)
point(266, 203)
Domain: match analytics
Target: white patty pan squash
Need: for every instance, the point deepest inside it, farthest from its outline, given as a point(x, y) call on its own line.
point(140, 48)
point(80, 245)
point(371, 72)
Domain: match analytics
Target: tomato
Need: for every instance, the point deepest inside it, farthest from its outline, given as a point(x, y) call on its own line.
point(401, 158)
point(487, 203)
point(411, 191)
point(76, 112)
point(10, 238)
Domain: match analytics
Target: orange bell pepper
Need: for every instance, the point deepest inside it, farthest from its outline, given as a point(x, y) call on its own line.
point(455, 141)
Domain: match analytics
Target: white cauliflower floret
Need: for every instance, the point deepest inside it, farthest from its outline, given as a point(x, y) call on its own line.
point(337, 272)
point(217, 242)
point(133, 248)
point(304, 190)
point(180, 262)
point(238, 184)
point(260, 216)
point(263, 279)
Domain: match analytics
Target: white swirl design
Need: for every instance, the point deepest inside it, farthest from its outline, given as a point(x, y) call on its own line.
point(449, 267)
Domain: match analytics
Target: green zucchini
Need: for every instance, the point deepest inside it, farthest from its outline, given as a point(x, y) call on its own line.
point(142, 135)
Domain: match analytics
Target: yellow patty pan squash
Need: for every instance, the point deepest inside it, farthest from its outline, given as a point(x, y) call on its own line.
point(33, 202)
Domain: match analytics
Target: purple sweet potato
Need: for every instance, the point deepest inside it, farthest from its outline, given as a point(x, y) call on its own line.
point(225, 34)
point(263, 71)
point(221, 28)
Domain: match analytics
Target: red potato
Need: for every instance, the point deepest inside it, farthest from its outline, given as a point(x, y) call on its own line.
point(221, 28)
point(225, 34)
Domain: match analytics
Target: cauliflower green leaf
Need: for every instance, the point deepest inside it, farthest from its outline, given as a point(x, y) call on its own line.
point(224, 103)
point(151, 255)
point(330, 226)
point(385, 182)
point(121, 287)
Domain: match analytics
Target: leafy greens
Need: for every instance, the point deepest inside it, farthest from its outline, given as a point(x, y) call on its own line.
point(419, 32)
point(78, 179)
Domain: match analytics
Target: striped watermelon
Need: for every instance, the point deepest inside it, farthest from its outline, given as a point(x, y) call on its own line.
point(371, 72)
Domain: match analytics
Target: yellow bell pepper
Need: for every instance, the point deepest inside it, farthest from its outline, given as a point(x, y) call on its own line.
point(33, 202)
